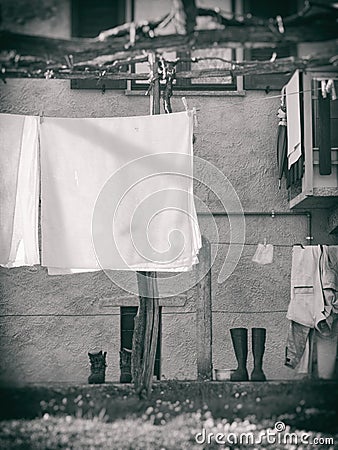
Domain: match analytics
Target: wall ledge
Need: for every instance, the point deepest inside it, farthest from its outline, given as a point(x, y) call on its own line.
point(141, 93)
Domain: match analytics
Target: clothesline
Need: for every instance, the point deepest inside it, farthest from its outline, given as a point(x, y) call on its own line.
point(40, 114)
point(168, 313)
point(253, 244)
point(258, 100)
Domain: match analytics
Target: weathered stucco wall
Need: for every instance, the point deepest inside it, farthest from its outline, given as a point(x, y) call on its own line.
point(48, 324)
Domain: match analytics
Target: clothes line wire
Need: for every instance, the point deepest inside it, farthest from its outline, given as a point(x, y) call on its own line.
point(42, 115)
point(168, 313)
point(258, 100)
point(253, 244)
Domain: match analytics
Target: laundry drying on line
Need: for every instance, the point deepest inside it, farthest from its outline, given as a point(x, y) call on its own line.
point(19, 195)
point(116, 193)
point(313, 309)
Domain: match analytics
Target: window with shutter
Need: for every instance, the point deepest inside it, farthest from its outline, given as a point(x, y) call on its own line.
point(145, 9)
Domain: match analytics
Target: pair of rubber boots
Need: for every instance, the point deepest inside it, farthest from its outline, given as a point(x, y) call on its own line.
point(239, 338)
point(98, 367)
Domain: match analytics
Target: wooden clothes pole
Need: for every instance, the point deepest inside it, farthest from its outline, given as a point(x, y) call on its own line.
point(146, 326)
point(203, 313)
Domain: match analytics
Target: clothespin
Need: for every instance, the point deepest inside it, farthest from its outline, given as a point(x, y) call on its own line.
point(280, 24)
point(323, 88)
point(264, 242)
point(41, 115)
point(273, 57)
point(69, 61)
point(273, 214)
point(132, 34)
point(49, 73)
point(100, 80)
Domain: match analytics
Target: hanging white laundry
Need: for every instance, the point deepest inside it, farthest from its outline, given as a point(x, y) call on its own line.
point(263, 254)
point(117, 194)
point(294, 119)
point(19, 191)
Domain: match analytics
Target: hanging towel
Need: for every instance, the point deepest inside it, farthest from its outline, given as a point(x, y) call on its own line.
point(294, 119)
point(263, 254)
point(19, 192)
point(117, 194)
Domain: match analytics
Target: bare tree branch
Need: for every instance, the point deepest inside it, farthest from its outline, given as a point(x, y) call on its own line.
point(283, 65)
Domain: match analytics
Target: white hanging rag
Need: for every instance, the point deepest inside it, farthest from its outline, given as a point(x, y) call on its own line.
point(117, 194)
point(19, 191)
point(263, 254)
point(294, 119)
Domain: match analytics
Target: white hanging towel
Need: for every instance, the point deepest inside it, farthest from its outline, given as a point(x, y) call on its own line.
point(294, 119)
point(263, 254)
point(19, 191)
point(117, 194)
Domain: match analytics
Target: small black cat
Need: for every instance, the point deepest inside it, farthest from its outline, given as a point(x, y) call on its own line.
point(98, 367)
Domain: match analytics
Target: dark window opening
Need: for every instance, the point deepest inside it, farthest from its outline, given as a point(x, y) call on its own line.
point(89, 18)
point(128, 314)
point(267, 9)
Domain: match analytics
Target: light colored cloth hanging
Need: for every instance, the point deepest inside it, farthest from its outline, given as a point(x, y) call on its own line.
point(313, 305)
point(141, 218)
point(263, 254)
point(19, 191)
point(294, 119)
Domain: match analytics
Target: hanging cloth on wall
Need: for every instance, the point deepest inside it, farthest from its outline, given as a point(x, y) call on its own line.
point(282, 139)
point(19, 191)
point(290, 158)
point(117, 194)
point(314, 301)
point(293, 106)
point(263, 254)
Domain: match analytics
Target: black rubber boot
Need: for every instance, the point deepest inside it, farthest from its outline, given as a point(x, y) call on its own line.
point(239, 338)
point(97, 368)
point(125, 365)
point(258, 348)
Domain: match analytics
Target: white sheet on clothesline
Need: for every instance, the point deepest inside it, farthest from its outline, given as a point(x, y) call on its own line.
point(80, 196)
point(19, 190)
